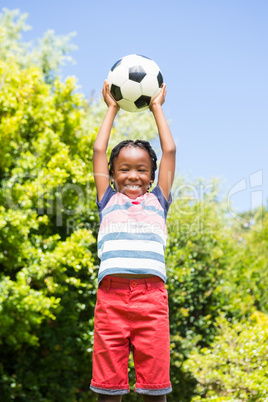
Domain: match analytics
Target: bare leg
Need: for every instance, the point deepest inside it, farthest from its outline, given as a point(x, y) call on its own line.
point(155, 398)
point(109, 398)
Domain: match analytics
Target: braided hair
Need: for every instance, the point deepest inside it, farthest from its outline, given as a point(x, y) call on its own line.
point(130, 143)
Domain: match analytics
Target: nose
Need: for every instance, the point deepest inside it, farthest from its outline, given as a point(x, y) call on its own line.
point(133, 174)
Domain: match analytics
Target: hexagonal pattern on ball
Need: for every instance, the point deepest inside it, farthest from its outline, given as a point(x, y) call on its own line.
point(128, 105)
point(132, 60)
point(131, 90)
point(149, 85)
point(150, 66)
point(118, 76)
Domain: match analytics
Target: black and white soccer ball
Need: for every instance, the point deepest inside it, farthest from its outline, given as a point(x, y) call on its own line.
point(134, 81)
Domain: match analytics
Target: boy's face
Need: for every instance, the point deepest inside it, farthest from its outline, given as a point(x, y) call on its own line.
point(132, 171)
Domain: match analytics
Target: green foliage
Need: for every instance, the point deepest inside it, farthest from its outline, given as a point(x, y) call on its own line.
point(235, 366)
point(217, 270)
point(12, 24)
point(248, 270)
point(48, 220)
point(206, 281)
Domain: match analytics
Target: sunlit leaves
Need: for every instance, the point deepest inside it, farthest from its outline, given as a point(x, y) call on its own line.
point(235, 365)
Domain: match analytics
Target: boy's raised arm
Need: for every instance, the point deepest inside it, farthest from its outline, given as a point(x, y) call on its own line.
point(168, 146)
point(100, 162)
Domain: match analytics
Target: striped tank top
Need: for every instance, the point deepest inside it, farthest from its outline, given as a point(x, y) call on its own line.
point(132, 235)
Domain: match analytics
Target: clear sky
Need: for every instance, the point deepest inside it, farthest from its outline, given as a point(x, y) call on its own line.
point(214, 59)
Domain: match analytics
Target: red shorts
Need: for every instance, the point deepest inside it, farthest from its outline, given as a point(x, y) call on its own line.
point(131, 314)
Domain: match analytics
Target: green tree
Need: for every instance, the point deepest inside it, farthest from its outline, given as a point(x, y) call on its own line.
point(48, 218)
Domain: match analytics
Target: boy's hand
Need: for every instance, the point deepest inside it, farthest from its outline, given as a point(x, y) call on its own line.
point(107, 96)
point(160, 98)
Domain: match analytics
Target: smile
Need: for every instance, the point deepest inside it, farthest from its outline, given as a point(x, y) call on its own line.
point(133, 187)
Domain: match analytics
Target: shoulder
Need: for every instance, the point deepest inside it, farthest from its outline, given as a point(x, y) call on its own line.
point(157, 192)
point(109, 193)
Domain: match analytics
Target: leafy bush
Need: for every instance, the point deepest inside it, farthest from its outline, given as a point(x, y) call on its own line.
point(235, 366)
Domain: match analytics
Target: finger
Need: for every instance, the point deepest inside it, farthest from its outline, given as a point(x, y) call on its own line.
point(164, 88)
point(103, 88)
point(106, 83)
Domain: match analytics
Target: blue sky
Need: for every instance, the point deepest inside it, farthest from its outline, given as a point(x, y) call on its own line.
point(214, 59)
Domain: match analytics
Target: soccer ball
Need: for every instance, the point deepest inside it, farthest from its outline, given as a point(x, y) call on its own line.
point(134, 81)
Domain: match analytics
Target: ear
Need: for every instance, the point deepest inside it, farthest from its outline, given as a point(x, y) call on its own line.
point(113, 183)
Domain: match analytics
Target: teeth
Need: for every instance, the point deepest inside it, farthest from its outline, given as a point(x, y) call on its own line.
point(133, 187)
